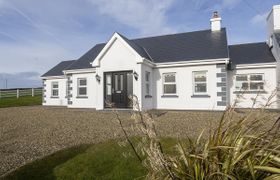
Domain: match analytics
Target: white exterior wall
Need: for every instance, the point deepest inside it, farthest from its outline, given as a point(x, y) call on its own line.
point(61, 100)
point(246, 100)
point(90, 100)
point(184, 85)
point(118, 58)
point(148, 101)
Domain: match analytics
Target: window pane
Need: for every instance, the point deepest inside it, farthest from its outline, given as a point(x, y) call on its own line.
point(121, 82)
point(256, 77)
point(200, 76)
point(83, 82)
point(244, 85)
point(241, 78)
point(169, 78)
point(256, 86)
point(147, 76)
point(82, 91)
point(108, 79)
point(55, 85)
point(55, 92)
point(116, 82)
point(169, 89)
point(200, 87)
point(109, 89)
point(148, 89)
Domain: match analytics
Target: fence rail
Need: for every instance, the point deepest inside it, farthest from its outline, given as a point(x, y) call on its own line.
point(17, 93)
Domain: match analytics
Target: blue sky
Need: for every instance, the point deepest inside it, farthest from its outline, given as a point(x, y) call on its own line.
point(37, 34)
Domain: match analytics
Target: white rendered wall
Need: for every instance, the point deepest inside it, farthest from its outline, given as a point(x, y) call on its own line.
point(246, 100)
point(61, 100)
point(118, 58)
point(184, 79)
point(82, 102)
point(147, 101)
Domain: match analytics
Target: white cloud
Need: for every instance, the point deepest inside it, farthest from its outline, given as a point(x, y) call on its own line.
point(146, 16)
point(259, 19)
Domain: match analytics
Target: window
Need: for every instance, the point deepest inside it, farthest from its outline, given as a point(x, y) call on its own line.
point(82, 87)
point(54, 89)
point(147, 84)
point(200, 82)
point(169, 83)
point(249, 82)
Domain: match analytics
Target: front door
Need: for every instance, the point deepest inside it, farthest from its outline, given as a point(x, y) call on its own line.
point(118, 86)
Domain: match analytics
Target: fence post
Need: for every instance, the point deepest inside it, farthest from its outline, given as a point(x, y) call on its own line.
point(32, 91)
point(17, 93)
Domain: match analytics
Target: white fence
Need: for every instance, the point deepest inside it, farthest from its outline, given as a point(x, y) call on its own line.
point(17, 93)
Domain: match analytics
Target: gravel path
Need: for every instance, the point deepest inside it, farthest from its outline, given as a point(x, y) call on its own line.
point(29, 133)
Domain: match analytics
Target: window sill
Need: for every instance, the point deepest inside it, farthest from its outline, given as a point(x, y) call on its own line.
point(249, 92)
point(148, 96)
point(54, 97)
point(81, 97)
point(200, 96)
point(169, 96)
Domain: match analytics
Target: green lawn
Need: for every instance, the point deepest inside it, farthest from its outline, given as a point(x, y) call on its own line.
point(21, 101)
point(98, 161)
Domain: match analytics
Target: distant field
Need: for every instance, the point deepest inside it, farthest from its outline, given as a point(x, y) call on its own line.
point(22, 101)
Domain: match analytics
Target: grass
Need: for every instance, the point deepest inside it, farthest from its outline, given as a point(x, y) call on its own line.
point(98, 161)
point(21, 101)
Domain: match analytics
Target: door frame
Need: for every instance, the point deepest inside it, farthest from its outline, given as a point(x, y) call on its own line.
point(105, 86)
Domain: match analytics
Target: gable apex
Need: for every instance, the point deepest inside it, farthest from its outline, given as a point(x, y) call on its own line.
point(116, 36)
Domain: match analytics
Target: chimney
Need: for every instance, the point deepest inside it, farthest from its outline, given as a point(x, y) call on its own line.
point(273, 23)
point(216, 22)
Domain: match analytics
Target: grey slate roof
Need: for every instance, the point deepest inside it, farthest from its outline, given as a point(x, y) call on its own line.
point(84, 61)
point(250, 53)
point(195, 45)
point(277, 36)
point(57, 70)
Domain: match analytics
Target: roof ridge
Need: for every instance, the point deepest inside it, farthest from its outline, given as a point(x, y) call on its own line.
point(247, 43)
point(172, 34)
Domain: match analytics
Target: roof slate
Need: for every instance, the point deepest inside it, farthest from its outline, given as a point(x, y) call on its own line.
point(58, 69)
point(250, 53)
point(195, 45)
point(85, 61)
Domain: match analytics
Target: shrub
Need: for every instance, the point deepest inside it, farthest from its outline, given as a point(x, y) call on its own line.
point(240, 147)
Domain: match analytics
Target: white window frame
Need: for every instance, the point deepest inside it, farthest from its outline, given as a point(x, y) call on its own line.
point(52, 89)
point(147, 83)
point(194, 83)
point(249, 82)
point(166, 83)
point(81, 86)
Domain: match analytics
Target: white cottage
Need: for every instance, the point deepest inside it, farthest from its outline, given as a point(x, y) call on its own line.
point(187, 71)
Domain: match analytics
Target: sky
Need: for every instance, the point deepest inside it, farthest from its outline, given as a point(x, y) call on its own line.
point(35, 35)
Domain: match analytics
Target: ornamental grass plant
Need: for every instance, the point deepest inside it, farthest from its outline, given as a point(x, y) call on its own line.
point(239, 147)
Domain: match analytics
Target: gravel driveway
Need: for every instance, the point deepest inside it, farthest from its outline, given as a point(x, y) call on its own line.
point(29, 133)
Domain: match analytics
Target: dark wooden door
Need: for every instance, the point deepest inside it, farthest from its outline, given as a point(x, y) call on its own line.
point(119, 89)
